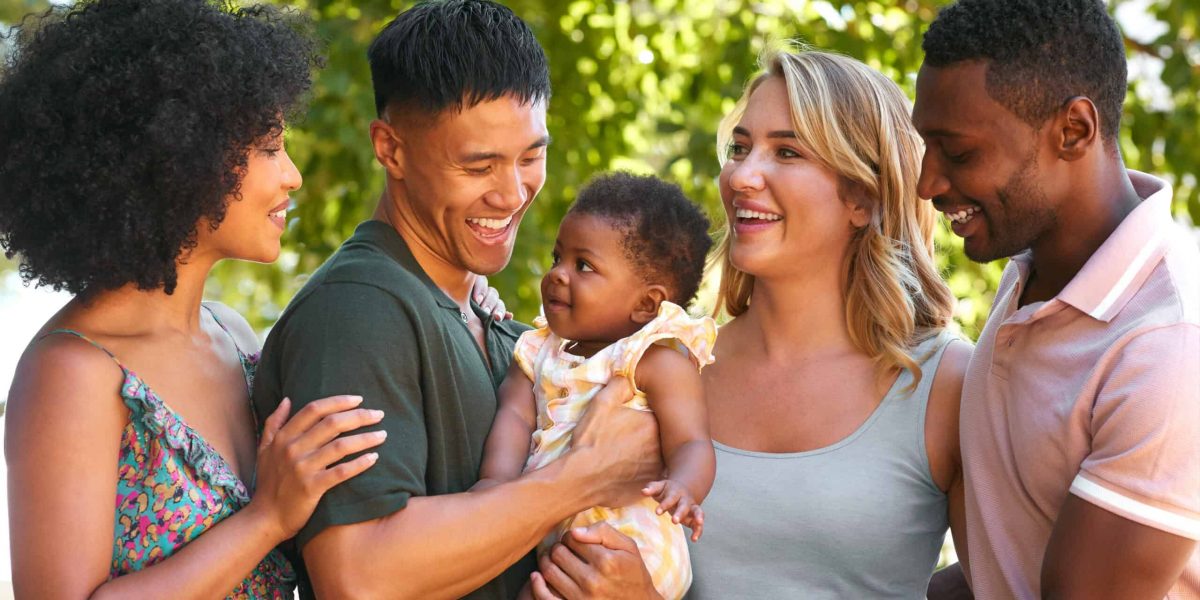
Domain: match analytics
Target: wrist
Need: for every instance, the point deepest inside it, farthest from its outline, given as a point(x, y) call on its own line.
point(575, 478)
point(264, 522)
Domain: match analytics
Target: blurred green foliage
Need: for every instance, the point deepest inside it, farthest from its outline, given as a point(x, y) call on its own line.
point(641, 85)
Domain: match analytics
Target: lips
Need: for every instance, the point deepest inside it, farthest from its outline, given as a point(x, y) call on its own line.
point(278, 214)
point(491, 229)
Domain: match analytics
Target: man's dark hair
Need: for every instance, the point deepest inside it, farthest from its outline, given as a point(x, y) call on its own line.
point(666, 235)
point(455, 54)
point(1039, 53)
point(123, 123)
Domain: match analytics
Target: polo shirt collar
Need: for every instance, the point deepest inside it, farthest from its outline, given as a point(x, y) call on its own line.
point(1115, 272)
point(394, 245)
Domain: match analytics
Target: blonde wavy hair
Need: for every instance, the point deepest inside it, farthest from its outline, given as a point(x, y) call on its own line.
point(856, 122)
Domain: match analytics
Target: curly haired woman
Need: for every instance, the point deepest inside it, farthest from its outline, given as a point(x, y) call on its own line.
point(142, 143)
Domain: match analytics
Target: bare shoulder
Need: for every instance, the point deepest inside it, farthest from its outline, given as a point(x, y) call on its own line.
point(237, 325)
point(661, 366)
point(64, 389)
point(941, 416)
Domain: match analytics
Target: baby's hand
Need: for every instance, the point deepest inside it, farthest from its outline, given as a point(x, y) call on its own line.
point(673, 497)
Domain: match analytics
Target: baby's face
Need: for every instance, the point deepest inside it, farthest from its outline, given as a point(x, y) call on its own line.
point(590, 292)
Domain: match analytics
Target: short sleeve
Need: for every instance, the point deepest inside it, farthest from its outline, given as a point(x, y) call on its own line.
point(1144, 463)
point(672, 327)
point(528, 346)
point(351, 338)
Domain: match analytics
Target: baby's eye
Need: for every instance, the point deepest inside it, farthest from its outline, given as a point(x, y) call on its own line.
point(554, 258)
point(584, 267)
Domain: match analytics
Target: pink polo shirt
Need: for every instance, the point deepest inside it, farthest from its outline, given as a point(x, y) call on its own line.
point(1095, 393)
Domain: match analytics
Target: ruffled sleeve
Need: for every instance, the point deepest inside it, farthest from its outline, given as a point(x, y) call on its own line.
point(674, 328)
point(526, 350)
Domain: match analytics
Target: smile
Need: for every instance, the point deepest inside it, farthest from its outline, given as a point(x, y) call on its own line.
point(963, 215)
point(744, 213)
point(493, 224)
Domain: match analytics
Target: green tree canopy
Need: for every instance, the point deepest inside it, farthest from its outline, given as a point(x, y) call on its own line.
point(641, 85)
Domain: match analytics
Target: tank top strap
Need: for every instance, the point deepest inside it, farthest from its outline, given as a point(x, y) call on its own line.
point(233, 339)
point(86, 339)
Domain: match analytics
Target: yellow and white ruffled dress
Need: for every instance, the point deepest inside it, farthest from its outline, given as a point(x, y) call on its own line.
point(564, 385)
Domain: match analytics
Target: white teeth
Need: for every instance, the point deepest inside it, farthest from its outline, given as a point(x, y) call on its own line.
point(491, 223)
point(281, 214)
point(743, 213)
point(964, 215)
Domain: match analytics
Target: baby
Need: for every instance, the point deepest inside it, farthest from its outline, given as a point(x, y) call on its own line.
point(630, 253)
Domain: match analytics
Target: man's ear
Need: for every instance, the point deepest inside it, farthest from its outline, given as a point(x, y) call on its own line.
point(647, 305)
point(1078, 128)
point(389, 148)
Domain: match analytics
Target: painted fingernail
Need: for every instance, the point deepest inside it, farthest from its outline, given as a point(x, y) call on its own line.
point(381, 434)
point(377, 414)
point(355, 400)
point(372, 456)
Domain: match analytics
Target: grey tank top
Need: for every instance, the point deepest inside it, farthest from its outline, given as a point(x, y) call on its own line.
point(861, 518)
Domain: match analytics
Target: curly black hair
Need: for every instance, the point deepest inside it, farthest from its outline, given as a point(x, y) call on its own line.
point(451, 54)
point(1039, 54)
point(123, 122)
point(666, 235)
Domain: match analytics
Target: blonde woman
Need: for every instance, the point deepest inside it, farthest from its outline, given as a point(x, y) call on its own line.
point(834, 397)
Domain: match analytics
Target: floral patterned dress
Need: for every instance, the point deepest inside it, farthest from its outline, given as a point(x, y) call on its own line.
point(172, 486)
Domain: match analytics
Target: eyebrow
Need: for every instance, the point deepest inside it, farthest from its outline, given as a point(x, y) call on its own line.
point(475, 157)
point(788, 134)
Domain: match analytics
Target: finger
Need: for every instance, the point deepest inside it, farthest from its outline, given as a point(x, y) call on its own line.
point(334, 425)
point(555, 576)
point(275, 422)
point(479, 288)
point(682, 511)
point(603, 534)
point(344, 446)
point(670, 501)
point(539, 587)
point(654, 488)
point(316, 410)
point(507, 316)
point(697, 524)
point(335, 475)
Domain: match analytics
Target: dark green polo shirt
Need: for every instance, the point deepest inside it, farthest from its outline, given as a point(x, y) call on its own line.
point(371, 322)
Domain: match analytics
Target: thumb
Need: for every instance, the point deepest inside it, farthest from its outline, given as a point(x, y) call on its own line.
point(616, 392)
point(275, 422)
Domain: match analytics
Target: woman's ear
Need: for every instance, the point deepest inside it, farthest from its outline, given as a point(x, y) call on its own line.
point(647, 304)
point(858, 201)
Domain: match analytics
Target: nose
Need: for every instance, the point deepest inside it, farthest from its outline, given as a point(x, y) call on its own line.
point(931, 183)
point(557, 275)
point(290, 175)
point(511, 191)
point(746, 174)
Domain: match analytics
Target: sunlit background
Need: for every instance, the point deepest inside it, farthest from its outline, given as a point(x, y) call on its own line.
point(638, 85)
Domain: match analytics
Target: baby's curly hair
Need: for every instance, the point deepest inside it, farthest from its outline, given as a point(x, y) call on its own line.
point(1040, 54)
point(666, 235)
point(123, 122)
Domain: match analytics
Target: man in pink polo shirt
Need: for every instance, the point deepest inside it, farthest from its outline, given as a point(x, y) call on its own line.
point(1080, 418)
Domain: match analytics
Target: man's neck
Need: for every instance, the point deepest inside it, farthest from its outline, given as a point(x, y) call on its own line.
point(1085, 222)
point(453, 280)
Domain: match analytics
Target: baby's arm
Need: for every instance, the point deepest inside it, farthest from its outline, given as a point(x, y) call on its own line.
point(507, 445)
point(676, 395)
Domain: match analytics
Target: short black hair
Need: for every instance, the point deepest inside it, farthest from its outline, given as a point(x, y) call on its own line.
point(454, 54)
point(1039, 54)
point(666, 235)
point(124, 122)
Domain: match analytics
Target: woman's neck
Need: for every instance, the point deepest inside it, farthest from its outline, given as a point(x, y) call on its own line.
point(795, 317)
point(130, 311)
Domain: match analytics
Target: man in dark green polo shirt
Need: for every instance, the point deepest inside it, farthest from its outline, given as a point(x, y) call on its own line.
point(461, 88)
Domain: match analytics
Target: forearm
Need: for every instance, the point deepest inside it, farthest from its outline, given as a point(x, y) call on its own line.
point(693, 464)
point(446, 546)
point(210, 566)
